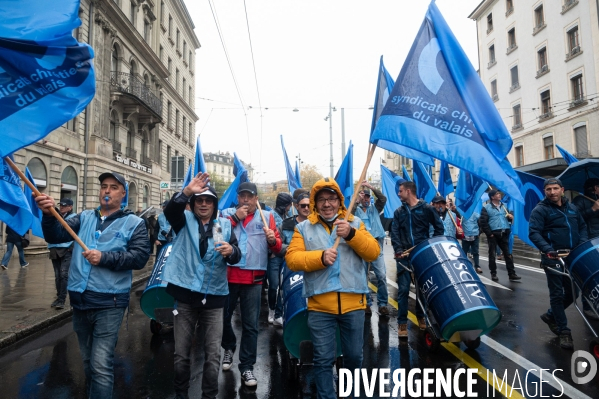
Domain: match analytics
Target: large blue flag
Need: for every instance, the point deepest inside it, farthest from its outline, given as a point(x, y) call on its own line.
point(384, 85)
point(229, 197)
point(36, 212)
point(533, 192)
point(445, 186)
point(569, 158)
point(46, 76)
point(345, 175)
point(425, 187)
point(14, 207)
point(390, 182)
point(292, 181)
point(468, 193)
point(406, 174)
point(439, 106)
point(239, 170)
point(199, 165)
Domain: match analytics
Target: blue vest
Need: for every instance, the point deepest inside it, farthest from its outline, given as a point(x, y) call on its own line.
point(448, 226)
point(115, 238)
point(470, 225)
point(63, 244)
point(185, 268)
point(347, 274)
point(372, 221)
point(252, 241)
point(497, 219)
point(164, 226)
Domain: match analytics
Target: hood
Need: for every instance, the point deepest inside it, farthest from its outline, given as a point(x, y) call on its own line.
point(327, 182)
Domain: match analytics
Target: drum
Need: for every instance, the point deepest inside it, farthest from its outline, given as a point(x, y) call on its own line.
point(450, 286)
point(583, 263)
point(155, 302)
point(295, 312)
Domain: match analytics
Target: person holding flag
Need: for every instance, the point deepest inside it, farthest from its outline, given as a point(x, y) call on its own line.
point(61, 257)
point(369, 214)
point(100, 277)
point(411, 224)
point(495, 221)
point(451, 228)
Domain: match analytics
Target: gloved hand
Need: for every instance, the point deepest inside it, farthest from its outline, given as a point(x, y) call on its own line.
point(552, 255)
point(398, 255)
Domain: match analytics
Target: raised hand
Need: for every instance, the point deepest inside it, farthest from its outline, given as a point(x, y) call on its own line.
point(198, 184)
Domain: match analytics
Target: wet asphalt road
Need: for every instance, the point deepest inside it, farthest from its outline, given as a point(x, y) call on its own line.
point(48, 365)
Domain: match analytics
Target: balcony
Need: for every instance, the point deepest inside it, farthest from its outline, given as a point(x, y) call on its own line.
point(574, 52)
point(516, 127)
point(545, 116)
point(511, 48)
point(514, 87)
point(538, 28)
point(568, 5)
point(583, 154)
point(495, 97)
point(116, 146)
point(544, 69)
point(131, 153)
point(145, 160)
point(489, 30)
point(135, 92)
point(491, 63)
point(509, 11)
point(578, 102)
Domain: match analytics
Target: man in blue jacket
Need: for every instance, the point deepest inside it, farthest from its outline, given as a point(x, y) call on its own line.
point(100, 278)
point(470, 242)
point(196, 273)
point(556, 225)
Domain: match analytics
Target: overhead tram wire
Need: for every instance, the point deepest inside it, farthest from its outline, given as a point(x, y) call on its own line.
point(222, 40)
point(247, 22)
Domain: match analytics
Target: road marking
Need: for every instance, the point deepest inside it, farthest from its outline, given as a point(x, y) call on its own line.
point(484, 280)
point(530, 268)
point(521, 361)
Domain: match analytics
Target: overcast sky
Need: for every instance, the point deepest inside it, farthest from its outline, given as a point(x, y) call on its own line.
point(307, 53)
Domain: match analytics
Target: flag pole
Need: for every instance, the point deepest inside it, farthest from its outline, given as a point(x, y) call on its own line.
point(262, 215)
point(52, 210)
point(449, 213)
point(354, 198)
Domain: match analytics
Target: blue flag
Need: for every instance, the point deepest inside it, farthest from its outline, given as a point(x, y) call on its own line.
point(425, 187)
point(14, 207)
point(345, 175)
point(199, 165)
point(439, 106)
point(292, 181)
point(46, 76)
point(188, 176)
point(125, 200)
point(569, 158)
point(533, 192)
point(390, 182)
point(229, 197)
point(468, 193)
point(384, 85)
point(445, 186)
point(298, 175)
point(406, 175)
point(36, 212)
point(239, 169)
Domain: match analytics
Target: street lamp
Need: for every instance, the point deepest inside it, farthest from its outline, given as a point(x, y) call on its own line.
point(329, 118)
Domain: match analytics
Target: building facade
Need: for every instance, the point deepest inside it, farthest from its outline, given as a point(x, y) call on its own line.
point(538, 60)
point(220, 165)
point(141, 122)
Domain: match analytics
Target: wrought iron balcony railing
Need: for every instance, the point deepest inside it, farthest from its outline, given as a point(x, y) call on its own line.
point(127, 83)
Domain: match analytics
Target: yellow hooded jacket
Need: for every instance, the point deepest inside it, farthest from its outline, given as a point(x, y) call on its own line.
point(299, 259)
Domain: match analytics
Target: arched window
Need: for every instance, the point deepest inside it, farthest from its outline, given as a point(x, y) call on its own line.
point(114, 65)
point(132, 204)
point(112, 134)
point(133, 68)
point(130, 140)
point(38, 171)
point(69, 185)
point(146, 197)
point(147, 81)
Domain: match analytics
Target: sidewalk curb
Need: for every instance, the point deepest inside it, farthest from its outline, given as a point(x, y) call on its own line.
point(17, 333)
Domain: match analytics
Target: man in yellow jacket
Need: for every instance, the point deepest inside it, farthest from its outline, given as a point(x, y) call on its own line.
point(334, 279)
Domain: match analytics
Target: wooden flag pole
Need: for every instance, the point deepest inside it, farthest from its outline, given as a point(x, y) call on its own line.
point(262, 215)
point(449, 213)
point(504, 208)
point(53, 210)
point(354, 198)
point(590, 199)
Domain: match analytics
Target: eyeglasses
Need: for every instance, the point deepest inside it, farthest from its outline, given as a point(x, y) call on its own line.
point(331, 201)
point(203, 200)
point(304, 206)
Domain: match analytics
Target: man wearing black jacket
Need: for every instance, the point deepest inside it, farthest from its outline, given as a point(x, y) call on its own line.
point(411, 226)
point(100, 278)
point(556, 225)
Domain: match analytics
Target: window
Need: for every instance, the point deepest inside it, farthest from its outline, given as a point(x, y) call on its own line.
point(145, 197)
point(548, 147)
point(511, 39)
point(161, 53)
point(542, 58)
point(183, 86)
point(184, 49)
point(112, 133)
point(177, 122)
point(170, 26)
point(190, 133)
point(114, 65)
point(516, 117)
point(489, 23)
point(509, 7)
point(190, 60)
point(177, 79)
point(492, 55)
point(546, 103)
point(147, 30)
point(573, 41)
point(159, 155)
point(514, 78)
point(580, 136)
point(539, 17)
point(190, 98)
point(178, 37)
point(577, 89)
point(70, 125)
point(184, 125)
point(494, 89)
point(519, 156)
point(169, 123)
point(162, 12)
point(133, 10)
point(168, 158)
point(170, 67)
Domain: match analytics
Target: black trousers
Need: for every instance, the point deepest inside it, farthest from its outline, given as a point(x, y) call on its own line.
point(501, 239)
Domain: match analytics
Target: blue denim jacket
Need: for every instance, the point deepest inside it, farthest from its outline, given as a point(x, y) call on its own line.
point(371, 220)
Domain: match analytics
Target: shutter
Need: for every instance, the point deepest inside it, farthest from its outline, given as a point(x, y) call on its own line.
point(582, 148)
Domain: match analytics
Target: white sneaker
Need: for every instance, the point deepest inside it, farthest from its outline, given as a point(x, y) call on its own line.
point(271, 316)
point(278, 322)
point(248, 378)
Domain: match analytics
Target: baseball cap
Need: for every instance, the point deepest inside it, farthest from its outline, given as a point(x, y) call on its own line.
point(552, 180)
point(366, 192)
point(66, 201)
point(492, 193)
point(249, 187)
point(439, 198)
point(117, 176)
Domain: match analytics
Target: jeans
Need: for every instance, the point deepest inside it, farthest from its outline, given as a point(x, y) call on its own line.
point(500, 240)
point(249, 302)
point(61, 274)
point(8, 254)
point(473, 247)
point(97, 331)
point(404, 279)
point(211, 322)
point(560, 296)
point(323, 327)
point(380, 271)
point(274, 274)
